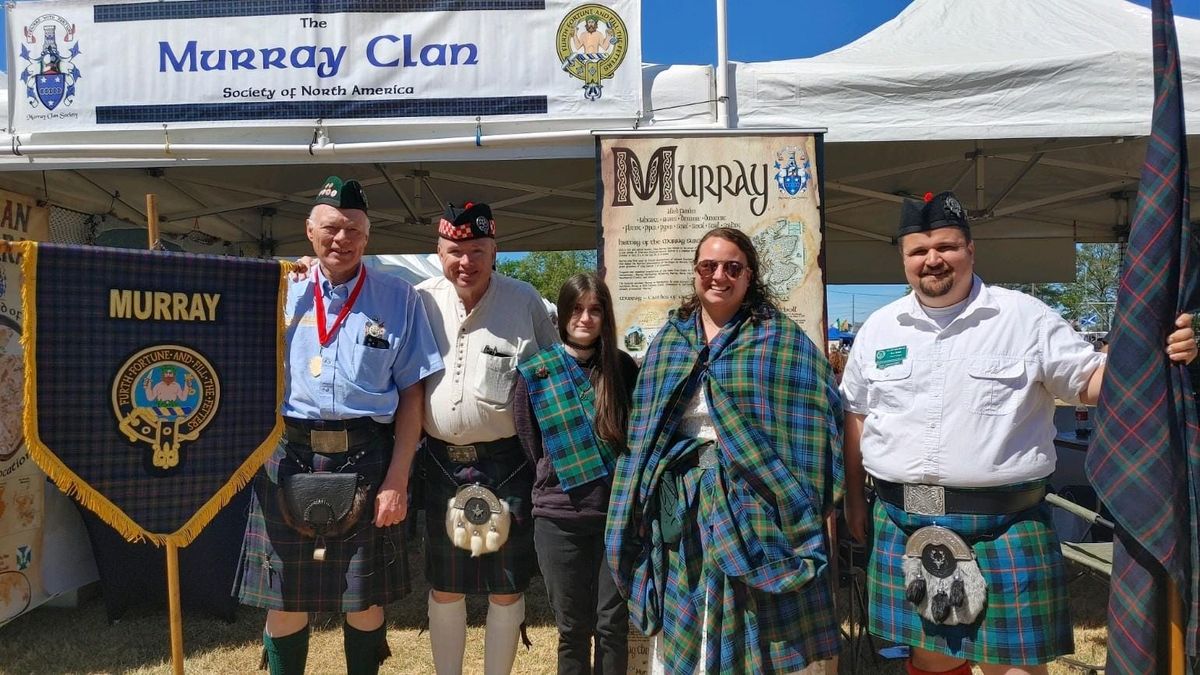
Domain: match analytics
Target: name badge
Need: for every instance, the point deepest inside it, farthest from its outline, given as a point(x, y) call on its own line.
point(890, 357)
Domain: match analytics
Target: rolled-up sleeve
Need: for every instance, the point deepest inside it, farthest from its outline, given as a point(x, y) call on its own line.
point(1068, 360)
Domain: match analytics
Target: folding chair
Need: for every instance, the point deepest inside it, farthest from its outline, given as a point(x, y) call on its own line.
point(1094, 558)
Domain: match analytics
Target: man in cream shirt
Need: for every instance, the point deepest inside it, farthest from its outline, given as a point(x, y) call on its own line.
point(484, 324)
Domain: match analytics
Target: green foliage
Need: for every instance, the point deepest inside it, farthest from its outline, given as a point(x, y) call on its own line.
point(547, 270)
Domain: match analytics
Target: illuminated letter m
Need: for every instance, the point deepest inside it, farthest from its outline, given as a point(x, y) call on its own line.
point(659, 176)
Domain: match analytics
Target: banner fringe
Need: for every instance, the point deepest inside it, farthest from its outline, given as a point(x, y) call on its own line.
point(72, 485)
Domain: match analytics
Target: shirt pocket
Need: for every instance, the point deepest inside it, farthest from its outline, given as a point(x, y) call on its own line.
point(495, 377)
point(994, 384)
point(372, 367)
point(891, 389)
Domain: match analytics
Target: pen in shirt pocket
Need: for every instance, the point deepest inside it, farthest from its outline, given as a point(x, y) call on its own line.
point(493, 351)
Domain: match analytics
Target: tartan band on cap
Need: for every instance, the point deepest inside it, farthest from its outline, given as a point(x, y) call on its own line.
point(473, 221)
point(931, 213)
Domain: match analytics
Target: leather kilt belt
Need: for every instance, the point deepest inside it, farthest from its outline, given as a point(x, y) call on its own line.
point(936, 500)
point(473, 452)
point(330, 437)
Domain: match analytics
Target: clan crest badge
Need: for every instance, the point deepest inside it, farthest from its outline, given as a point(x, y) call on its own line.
point(164, 396)
point(591, 42)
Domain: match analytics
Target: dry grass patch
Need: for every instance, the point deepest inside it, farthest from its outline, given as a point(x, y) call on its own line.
point(80, 640)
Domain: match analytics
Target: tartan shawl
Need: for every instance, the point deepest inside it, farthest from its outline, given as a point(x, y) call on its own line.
point(1145, 457)
point(564, 404)
point(778, 418)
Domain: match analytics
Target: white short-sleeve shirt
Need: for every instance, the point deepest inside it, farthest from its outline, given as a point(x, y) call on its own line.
point(970, 405)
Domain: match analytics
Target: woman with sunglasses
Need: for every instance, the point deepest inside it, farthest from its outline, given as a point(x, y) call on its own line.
point(571, 406)
point(716, 522)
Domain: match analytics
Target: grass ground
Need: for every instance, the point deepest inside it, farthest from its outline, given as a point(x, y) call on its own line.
point(80, 640)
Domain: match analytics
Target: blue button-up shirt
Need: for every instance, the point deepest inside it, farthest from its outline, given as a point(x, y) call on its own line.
point(383, 346)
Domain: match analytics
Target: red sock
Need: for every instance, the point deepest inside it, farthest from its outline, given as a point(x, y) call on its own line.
point(963, 668)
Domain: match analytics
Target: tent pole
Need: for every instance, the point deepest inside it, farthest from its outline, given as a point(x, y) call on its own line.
point(722, 66)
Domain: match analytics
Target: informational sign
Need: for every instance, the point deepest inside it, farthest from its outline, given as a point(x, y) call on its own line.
point(660, 195)
point(22, 484)
point(85, 65)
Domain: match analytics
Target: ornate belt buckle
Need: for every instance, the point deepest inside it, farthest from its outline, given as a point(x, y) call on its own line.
point(328, 442)
point(925, 500)
point(462, 454)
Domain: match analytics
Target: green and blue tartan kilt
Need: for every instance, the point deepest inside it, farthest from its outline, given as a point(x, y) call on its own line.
point(365, 567)
point(1026, 620)
point(451, 569)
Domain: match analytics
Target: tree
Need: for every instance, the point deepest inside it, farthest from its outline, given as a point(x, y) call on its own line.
point(547, 270)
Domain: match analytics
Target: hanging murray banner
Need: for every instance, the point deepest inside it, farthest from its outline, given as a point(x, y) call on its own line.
point(659, 195)
point(22, 484)
point(87, 65)
point(154, 380)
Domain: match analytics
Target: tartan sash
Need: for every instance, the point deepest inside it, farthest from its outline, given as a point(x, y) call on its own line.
point(753, 542)
point(564, 403)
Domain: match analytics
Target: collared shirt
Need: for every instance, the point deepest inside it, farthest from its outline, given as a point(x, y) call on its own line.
point(970, 405)
point(384, 345)
point(470, 401)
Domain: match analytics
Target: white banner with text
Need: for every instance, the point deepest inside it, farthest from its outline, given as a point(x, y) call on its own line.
point(77, 65)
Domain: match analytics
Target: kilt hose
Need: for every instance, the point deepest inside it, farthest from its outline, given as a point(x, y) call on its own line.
point(1026, 620)
point(367, 566)
point(451, 569)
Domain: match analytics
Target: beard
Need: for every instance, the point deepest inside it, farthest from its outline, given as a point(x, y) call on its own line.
point(934, 287)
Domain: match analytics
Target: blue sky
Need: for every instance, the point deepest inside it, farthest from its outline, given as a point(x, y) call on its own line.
point(684, 31)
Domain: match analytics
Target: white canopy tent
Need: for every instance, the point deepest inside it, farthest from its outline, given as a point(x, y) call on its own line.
point(1034, 112)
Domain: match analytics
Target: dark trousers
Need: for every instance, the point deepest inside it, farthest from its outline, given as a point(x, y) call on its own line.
point(583, 596)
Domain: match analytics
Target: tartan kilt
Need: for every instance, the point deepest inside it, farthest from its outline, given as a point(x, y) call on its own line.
point(451, 569)
point(1026, 620)
point(368, 566)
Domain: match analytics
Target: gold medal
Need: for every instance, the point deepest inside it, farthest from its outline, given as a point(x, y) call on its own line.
point(314, 366)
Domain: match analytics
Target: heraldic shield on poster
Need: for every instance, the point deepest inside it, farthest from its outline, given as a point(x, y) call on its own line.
point(156, 380)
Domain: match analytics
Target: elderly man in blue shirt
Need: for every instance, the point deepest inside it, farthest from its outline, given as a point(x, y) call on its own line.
point(358, 351)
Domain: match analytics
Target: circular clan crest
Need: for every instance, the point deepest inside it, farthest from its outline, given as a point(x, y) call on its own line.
point(591, 43)
point(163, 396)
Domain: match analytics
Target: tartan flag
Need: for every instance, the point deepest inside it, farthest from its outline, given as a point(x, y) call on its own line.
point(1144, 458)
point(153, 380)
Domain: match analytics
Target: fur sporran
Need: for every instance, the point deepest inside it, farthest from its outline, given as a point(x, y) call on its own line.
point(322, 503)
point(942, 577)
point(477, 520)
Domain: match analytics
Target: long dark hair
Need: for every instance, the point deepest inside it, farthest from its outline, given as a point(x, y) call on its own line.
point(759, 300)
point(612, 392)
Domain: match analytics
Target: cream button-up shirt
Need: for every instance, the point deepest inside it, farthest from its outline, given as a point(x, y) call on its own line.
point(970, 405)
point(470, 401)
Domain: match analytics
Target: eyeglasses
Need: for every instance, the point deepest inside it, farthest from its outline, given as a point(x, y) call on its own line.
point(707, 268)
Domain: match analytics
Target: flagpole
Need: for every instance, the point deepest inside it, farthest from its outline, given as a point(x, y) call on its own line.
point(173, 603)
point(1177, 659)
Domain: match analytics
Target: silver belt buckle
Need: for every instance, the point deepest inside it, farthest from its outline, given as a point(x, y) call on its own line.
point(328, 442)
point(708, 456)
point(925, 500)
point(462, 454)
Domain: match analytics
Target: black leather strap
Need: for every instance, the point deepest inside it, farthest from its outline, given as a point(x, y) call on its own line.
point(985, 502)
point(483, 449)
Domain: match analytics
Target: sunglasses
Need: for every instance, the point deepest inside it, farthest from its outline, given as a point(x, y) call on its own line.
point(707, 268)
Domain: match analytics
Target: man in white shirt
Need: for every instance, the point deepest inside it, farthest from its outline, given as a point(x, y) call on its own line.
point(949, 395)
point(484, 324)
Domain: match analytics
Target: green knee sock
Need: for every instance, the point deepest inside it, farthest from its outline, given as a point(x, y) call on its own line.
point(286, 655)
point(365, 649)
